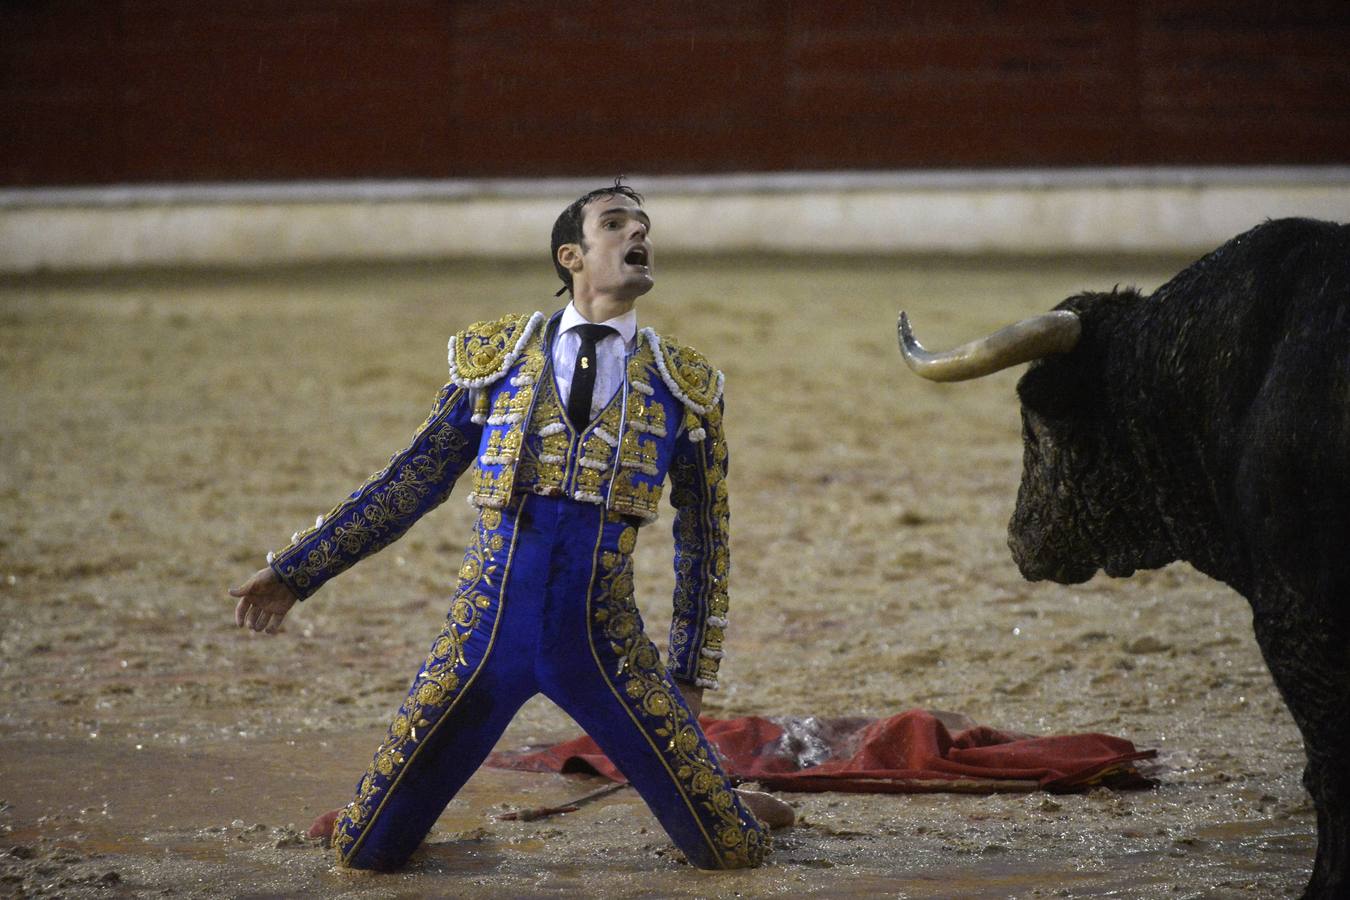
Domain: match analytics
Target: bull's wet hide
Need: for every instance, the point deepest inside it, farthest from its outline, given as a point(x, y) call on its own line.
point(1208, 422)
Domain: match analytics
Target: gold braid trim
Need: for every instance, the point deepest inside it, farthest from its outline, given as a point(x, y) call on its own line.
point(481, 353)
point(688, 374)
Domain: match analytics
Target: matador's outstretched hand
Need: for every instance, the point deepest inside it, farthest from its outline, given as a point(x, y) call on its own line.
point(263, 602)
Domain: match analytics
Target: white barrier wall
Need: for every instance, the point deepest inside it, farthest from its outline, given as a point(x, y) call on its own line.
point(987, 212)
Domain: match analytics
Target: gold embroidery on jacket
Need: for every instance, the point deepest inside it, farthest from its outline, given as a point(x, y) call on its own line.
point(630, 492)
point(637, 453)
point(636, 497)
point(543, 472)
point(595, 455)
point(495, 472)
point(486, 349)
point(690, 377)
point(703, 557)
point(389, 504)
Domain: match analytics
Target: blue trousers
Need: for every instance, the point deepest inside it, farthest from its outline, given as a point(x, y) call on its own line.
point(545, 605)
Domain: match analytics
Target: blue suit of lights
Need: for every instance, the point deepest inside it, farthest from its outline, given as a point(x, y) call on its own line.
point(545, 600)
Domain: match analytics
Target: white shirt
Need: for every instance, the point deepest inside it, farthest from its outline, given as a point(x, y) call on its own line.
point(611, 352)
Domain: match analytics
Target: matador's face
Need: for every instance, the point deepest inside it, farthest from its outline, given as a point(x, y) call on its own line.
point(616, 250)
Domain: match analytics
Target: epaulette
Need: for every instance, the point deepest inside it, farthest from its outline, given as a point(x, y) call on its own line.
point(483, 352)
point(690, 377)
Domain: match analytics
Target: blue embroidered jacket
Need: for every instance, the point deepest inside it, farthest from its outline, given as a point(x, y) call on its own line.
point(501, 416)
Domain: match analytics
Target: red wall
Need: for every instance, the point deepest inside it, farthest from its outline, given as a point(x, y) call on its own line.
point(183, 90)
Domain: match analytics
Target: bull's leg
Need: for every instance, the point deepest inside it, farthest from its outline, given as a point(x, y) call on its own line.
point(1305, 646)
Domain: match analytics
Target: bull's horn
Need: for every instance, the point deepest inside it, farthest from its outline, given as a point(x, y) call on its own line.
point(1052, 332)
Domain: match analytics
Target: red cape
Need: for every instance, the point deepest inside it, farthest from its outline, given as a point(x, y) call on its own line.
point(912, 752)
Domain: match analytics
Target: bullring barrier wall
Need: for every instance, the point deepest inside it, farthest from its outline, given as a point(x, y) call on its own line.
point(1015, 212)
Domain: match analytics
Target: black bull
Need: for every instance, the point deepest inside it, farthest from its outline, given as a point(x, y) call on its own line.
point(1208, 422)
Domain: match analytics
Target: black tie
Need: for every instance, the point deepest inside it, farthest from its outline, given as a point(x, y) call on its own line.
point(583, 375)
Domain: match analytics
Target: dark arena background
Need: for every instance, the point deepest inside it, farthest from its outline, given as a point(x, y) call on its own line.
point(235, 236)
point(144, 91)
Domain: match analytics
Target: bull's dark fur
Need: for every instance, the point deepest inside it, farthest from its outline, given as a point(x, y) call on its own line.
point(1210, 422)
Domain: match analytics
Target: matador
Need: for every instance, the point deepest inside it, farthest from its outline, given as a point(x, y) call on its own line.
point(568, 426)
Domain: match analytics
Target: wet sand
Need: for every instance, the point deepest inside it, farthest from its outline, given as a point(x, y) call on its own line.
point(161, 432)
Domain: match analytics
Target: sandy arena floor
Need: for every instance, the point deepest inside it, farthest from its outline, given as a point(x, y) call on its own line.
point(160, 433)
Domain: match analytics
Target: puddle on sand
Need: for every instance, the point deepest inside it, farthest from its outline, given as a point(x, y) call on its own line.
point(99, 817)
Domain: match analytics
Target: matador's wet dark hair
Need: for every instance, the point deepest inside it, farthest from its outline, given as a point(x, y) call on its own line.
point(567, 228)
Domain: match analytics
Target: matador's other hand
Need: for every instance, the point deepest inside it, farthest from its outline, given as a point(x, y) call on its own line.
point(264, 601)
point(693, 697)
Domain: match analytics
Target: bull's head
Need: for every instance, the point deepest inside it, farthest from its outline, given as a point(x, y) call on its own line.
point(1082, 504)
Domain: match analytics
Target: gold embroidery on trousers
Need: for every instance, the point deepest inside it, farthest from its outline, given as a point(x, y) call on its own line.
point(431, 694)
point(637, 675)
